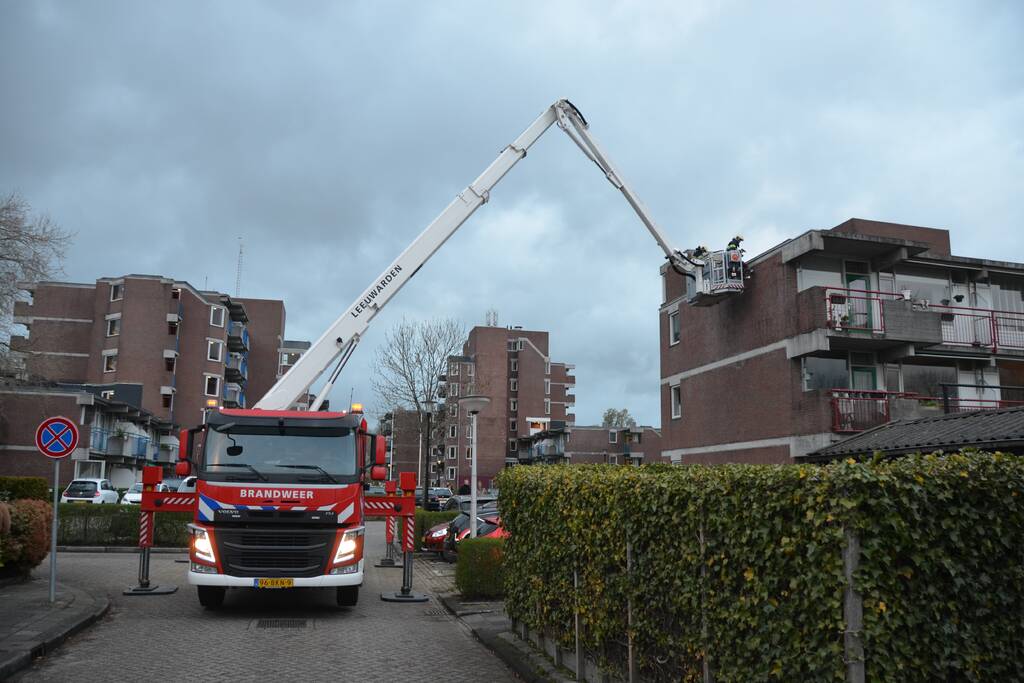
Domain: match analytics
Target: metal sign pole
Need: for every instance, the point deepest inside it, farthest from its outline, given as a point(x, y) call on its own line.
point(53, 531)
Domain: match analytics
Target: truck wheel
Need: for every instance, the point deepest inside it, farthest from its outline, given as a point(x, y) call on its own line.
point(211, 597)
point(348, 596)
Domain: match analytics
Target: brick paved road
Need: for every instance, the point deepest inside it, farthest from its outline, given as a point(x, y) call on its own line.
point(173, 638)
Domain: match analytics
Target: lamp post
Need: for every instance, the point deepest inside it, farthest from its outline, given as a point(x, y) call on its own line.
point(429, 405)
point(473, 404)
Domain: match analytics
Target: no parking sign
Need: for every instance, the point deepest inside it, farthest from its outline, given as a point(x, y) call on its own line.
point(56, 438)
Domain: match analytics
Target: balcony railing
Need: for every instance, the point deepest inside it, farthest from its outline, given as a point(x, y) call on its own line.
point(108, 442)
point(860, 310)
point(233, 395)
point(855, 410)
point(238, 336)
point(236, 367)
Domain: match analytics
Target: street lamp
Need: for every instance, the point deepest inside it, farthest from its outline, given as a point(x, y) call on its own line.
point(429, 405)
point(473, 404)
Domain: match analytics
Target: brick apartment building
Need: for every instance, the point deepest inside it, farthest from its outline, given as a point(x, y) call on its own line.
point(838, 330)
point(559, 444)
point(404, 431)
point(529, 393)
point(153, 345)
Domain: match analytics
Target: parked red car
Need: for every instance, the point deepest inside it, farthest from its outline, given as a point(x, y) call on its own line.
point(433, 538)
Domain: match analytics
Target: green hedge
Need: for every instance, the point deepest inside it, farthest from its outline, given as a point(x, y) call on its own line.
point(17, 488)
point(743, 564)
point(25, 541)
point(480, 569)
point(118, 525)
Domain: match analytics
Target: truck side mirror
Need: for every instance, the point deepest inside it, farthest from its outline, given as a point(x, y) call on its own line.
point(380, 452)
point(183, 468)
point(183, 444)
point(378, 473)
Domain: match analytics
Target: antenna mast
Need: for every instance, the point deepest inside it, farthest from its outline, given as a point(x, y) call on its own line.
point(238, 270)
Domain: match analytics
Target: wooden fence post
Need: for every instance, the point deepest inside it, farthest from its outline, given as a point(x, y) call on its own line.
point(853, 612)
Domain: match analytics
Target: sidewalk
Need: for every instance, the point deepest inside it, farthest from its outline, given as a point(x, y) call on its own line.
point(30, 626)
point(487, 621)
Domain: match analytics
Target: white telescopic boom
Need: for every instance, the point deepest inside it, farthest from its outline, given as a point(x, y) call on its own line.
point(338, 342)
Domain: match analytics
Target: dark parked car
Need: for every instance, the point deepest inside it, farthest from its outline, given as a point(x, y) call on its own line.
point(461, 503)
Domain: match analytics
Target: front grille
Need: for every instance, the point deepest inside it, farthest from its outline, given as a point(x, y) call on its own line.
point(273, 552)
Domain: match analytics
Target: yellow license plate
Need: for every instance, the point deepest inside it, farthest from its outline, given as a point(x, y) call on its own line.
point(273, 583)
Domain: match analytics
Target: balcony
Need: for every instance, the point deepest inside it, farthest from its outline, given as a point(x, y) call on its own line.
point(236, 368)
point(857, 410)
point(118, 443)
point(233, 395)
point(238, 336)
point(879, 317)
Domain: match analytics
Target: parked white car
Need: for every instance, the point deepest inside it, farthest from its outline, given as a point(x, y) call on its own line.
point(96, 491)
point(133, 496)
point(188, 485)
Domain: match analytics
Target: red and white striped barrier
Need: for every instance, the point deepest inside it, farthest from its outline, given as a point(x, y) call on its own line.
point(145, 529)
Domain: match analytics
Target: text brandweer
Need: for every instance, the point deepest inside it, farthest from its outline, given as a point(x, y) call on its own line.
point(372, 294)
point(275, 493)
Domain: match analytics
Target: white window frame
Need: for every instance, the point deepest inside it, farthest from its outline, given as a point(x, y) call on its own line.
point(513, 425)
point(513, 384)
point(453, 452)
point(513, 405)
point(453, 410)
point(453, 390)
point(206, 384)
point(469, 429)
point(613, 458)
point(108, 394)
point(469, 369)
point(547, 406)
point(219, 345)
point(513, 365)
point(114, 318)
point(453, 369)
point(547, 367)
point(547, 387)
point(118, 289)
point(675, 393)
point(519, 345)
point(452, 473)
point(613, 436)
point(513, 446)
point(469, 452)
point(223, 315)
point(108, 355)
point(453, 431)
point(674, 315)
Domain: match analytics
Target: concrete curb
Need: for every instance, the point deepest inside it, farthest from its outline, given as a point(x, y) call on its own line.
point(519, 656)
point(21, 656)
point(114, 549)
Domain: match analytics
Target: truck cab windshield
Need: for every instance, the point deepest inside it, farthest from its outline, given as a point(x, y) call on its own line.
point(288, 455)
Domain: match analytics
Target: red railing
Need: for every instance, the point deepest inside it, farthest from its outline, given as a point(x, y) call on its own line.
point(855, 410)
point(861, 310)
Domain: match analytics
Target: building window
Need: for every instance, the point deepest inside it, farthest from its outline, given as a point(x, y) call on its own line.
point(453, 389)
point(469, 430)
point(547, 367)
point(108, 395)
point(512, 448)
point(547, 387)
point(469, 452)
point(214, 350)
point(513, 404)
point(513, 365)
point(676, 393)
point(110, 361)
point(453, 452)
point(453, 410)
point(451, 474)
point(613, 459)
point(513, 385)
point(175, 293)
point(172, 328)
point(117, 292)
point(217, 316)
point(673, 328)
point(519, 345)
point(169, 364)
point(113, 325)
point(547, 406)
point(165, 399)
point(212, 387)
point(824, 373)
point(469, 369)
point(453, 431)
point(453, 369)
point(512, 425)
point(613, 436)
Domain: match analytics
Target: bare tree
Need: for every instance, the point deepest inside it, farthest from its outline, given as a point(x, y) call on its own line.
point(31, 249)
point(408, 366)
point(617, 418)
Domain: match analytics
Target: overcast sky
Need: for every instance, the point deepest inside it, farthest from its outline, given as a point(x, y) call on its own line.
point(327, 136)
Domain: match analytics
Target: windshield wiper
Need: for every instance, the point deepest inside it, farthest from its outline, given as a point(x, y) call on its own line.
point(312, 467)
point(238, 464)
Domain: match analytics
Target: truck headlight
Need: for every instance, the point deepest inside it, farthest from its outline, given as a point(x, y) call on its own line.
point(202, 544)
point(348, 546)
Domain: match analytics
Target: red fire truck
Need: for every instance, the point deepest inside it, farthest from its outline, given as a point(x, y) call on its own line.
point(279, 493)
